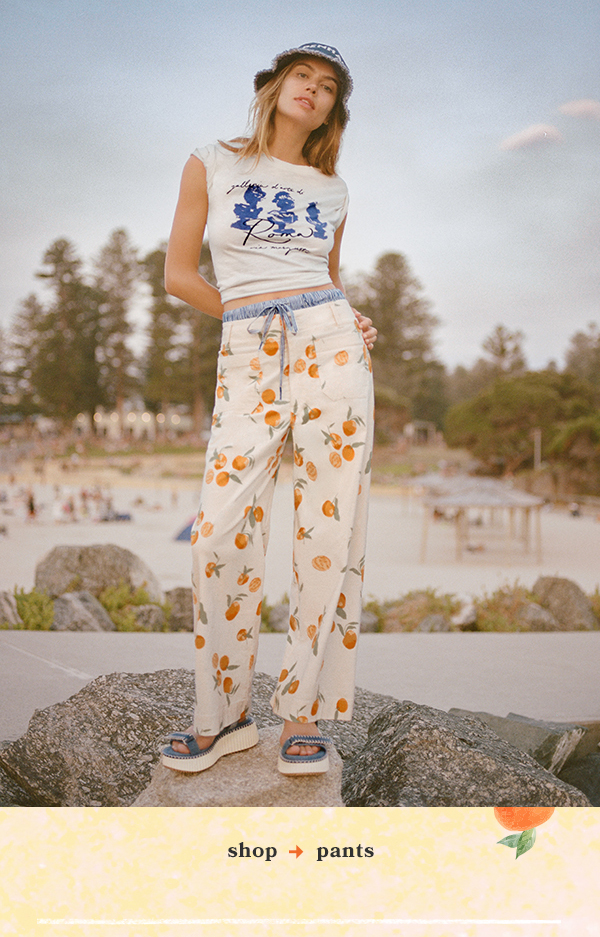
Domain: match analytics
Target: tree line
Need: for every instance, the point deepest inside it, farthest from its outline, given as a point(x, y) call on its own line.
point(72, 352)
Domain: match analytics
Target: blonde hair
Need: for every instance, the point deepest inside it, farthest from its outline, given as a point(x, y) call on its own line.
point(322, 147)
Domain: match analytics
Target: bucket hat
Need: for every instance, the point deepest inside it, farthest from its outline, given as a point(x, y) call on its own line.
point(312, 50)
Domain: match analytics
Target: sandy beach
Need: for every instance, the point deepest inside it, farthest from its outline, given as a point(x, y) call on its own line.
point(161, 500)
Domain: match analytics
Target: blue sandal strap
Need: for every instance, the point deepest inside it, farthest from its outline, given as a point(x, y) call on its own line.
point(187, 739)
point(317, 740)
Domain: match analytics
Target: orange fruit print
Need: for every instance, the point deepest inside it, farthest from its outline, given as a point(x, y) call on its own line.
point(521, 818)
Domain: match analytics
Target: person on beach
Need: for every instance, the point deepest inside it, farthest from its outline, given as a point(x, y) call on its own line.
point(294, 357)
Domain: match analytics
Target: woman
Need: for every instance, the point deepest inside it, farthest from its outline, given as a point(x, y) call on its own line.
point(293, 358)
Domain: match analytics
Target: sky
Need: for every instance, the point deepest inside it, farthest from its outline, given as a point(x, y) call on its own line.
point(473, 146)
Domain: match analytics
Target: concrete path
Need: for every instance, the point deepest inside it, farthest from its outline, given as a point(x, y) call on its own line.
point(543, 676)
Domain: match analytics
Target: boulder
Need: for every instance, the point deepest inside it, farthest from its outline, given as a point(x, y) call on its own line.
point(533, 617)
point(567, 602)
point(279, 617)
point(93, 568)
point(11, 795)
point(551, 744)
point(434, 622)
point(417, 756)
point(98, 747)
point(369, 621)
point(80, 611)
point(245, 779)
point(182, 609)
point(149, 617)
point(585, 775)
point(8, 611)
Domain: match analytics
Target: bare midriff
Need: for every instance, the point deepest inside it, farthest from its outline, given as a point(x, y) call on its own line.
point(280, 294)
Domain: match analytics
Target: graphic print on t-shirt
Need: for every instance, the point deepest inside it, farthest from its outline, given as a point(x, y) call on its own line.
point(276, 221)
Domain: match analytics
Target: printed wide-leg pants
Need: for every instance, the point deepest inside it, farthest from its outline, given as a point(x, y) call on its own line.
point(304, 370)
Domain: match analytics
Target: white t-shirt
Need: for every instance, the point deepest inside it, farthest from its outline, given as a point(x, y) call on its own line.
point(270, 224)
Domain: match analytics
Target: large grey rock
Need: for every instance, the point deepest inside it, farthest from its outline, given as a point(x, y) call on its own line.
point(149, 617)
point(551, 744)
point(279, 617)
point(585, 775)
point(93, 568)
point(80, 611)
point(182, 609)
point(567, 602)
point(245, 779)
point(8, 611)
point(533, 617)
point(434, 622)
point(11, 795)
point(417, 756)
point(98, 747)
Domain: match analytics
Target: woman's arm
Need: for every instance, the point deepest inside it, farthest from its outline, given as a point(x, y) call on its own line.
point(366, 324)
point(185, 243)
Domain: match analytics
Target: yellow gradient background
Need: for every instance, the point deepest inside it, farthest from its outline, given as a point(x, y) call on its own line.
point(149, 871)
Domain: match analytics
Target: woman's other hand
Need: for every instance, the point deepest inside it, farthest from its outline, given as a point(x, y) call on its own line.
point(368, 329)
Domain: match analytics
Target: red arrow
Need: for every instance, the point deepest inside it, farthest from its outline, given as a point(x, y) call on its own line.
point(296, 852)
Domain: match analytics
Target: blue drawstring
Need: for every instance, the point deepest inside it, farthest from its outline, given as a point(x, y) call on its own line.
point(285, 312)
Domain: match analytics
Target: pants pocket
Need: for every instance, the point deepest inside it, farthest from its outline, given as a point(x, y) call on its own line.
point(343, 363)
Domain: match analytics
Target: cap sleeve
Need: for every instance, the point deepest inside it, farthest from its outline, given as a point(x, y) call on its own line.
point(208, 156)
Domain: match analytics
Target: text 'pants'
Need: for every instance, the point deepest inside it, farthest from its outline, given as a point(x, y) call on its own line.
point(315, 381)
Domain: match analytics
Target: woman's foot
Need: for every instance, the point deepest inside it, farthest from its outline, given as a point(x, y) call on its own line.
point(204, 741)
point(300, 728)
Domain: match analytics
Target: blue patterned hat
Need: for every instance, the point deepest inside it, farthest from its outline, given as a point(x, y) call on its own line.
point(312, 50)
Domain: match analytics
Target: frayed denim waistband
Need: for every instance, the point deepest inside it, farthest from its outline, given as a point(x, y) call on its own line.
point(292, 303)
point(284, 308)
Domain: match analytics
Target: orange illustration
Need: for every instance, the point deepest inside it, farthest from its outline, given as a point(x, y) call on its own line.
point(313, 370)
point(240, 462)
point(271, 347)
point(232, 611)
point(348, 453)
point(272, 418)
point(293, 623)
point(283, 675)
point(335, 459)
point(341, 358)
point(209, 476)
point(241, 541)
point(199, 641)
point(294, 686)
point(315, 708)
point(255, 584)
point(222, 479)
point(310, 351)
point(311, 471)
point(349, 640)
point(268, 395)
point(311, 631)
point(521, 818)
point(228, 684)
point(259, 607)
point(258, 513)
point(194, 536)
point(321, 563)
point(336, 441)
point(342, 705)
point(341, 601)
point(328, 508)
point(255, 364)
point(207, 529)
point(221, 461)
point(314, 414)
point(299, 365)
point(297, 498)
point(242, 634)
point(224, 662)
point(349, 427)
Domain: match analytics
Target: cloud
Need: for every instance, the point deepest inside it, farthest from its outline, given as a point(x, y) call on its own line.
point(587, 107)
point(536, 135)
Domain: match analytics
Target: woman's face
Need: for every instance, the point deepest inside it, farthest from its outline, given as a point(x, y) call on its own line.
point(308, 93)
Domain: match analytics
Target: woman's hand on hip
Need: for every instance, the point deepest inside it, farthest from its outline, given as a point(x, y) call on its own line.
point(368, 329)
